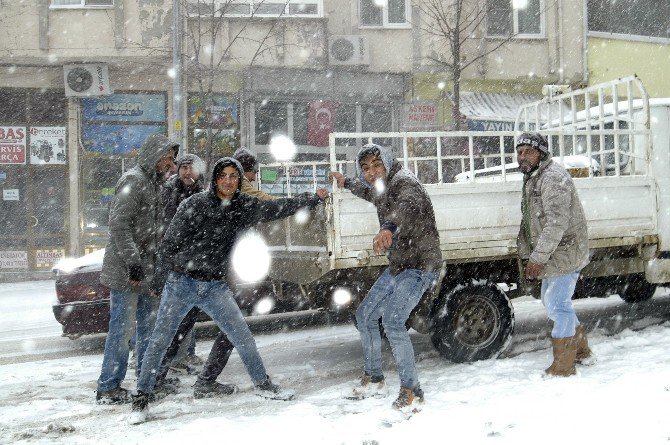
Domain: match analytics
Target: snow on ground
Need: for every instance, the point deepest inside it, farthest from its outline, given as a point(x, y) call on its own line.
point(622, 399)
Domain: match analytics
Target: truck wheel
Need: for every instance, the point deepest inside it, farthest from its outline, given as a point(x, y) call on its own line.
point(636, 288)
point(472, 322)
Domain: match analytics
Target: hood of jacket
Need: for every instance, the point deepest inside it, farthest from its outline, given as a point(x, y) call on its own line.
point(384, 154)
point(153, 149)
point(220, 165)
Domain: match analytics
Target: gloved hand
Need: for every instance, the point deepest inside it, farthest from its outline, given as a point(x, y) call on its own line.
point(135, 273)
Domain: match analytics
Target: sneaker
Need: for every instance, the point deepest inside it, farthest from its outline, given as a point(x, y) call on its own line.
point(203, 389)
point(162, 389)
point(269, 390)
point(194, 361)
point(410, 401)
point(368, 386)
point(116, 396)
point(140, 408)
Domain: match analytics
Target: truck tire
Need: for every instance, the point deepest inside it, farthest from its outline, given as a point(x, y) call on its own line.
point(472, 322)
point(636, 288)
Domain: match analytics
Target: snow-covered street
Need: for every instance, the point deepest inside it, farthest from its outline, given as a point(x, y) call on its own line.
point(621, 399)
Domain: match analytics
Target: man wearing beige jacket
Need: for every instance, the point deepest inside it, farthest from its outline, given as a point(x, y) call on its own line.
point(250, 166)
point(553, 239)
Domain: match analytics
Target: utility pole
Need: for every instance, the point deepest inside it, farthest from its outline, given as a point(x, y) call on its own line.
point(177, 87)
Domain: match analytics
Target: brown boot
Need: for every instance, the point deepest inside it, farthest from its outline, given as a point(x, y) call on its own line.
point(565, 350)
point(584, 355)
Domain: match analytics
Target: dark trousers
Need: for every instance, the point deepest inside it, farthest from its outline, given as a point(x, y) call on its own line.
point(218, 356)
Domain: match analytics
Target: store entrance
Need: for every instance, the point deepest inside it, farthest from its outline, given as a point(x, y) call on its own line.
point(33, 224)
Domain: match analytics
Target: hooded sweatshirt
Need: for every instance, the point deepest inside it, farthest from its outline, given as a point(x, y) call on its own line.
point(135, 219)
point(203, 232)
point(404, 208)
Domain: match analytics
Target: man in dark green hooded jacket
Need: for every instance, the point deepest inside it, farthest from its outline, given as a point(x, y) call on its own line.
point(135, 222)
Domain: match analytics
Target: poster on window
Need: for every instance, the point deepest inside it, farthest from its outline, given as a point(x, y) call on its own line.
point(47, 145)
point(420, 115)
point(320, 122)
point(117, 139)
point(220, 111)
point(13, 259)
point(12, 145)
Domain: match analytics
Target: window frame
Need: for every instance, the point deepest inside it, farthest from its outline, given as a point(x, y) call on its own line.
point(613, 34)
point(515, 25)
point(82, 5)
point(385, 23)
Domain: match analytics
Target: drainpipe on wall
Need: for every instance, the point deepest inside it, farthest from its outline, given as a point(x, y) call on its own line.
point(561, 74)
point(585, 44)
point(74, 216)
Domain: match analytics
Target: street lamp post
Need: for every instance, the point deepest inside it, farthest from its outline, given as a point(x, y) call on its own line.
point(177, 87)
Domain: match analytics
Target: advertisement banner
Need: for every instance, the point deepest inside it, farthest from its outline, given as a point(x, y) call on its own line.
point(47, 258)
point(320, 122)
point(12, 145)
point(47, 145)
point(117, 139)
point(222, 112)
point(13, 259)
point(125, 108)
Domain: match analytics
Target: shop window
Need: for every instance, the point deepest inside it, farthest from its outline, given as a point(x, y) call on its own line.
point(386, 13)
point(271, 118)
point(300, 123)
point(345, 122)
point(521, 18)
point(377, 118)
point(47, 107)
point(213, 125)
point(14, 106)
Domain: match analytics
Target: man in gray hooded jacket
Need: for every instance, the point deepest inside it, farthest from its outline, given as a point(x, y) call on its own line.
point(409, 233)
point(553, 239)
point(135, 221)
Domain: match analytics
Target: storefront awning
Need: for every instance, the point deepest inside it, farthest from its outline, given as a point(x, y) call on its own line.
point(493, 111)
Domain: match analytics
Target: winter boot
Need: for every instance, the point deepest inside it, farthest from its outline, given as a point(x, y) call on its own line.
point(565, 350)
point(584, 354)
point(165, 387)
point(269, 390)
point(368, 386)
point(140, 408)
point(116, 396)
point(409, 401)
point(203, 389)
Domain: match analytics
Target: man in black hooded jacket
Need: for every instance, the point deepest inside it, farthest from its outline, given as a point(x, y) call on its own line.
point(196, 254)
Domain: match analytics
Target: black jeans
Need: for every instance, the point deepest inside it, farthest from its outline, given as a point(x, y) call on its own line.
point(218, 356)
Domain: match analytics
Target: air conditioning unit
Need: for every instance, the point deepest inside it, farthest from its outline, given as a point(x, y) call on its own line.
point(86, 79)
point(348, 50)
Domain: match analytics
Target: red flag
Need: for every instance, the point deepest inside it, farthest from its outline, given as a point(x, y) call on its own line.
point(320, 122)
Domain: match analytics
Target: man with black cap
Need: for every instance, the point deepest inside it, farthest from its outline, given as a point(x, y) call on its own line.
point(197, 251)
point(135, 231)
point(250, 167)
point(553, 239)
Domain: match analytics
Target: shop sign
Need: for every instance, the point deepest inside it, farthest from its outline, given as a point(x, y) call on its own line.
point(124, 108)
point(47, 145)
point(10, 194)
point(420, 115)
point(48, 258)
point(13, 259)
point(489, 125)
point(117, 139)
point(12, 145)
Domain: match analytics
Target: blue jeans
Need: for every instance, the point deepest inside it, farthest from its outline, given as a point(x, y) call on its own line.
point(180, 295)
point(392, 298)
point(125, 309)
point(557, 299)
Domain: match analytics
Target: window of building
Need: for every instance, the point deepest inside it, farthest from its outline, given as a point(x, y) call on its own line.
point(648, 18)
point(384, 13)
point(521, 18)
point(81, 3)
point(271, 118)
point(259, 8)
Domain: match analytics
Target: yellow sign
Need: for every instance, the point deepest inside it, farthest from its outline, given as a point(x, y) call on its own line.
point(177, 125)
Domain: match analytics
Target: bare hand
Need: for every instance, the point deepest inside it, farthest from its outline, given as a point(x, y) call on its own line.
point(533, 270)
point(382, 241)
point(339, 177)
point(322, 194)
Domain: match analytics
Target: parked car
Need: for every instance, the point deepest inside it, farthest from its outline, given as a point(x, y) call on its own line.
point(82, 305)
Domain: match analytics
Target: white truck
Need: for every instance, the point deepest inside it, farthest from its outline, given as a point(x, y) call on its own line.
point(625, 190)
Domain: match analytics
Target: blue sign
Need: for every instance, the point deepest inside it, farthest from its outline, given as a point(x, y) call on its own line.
point(117, 139)
point(125, 108)
point(477, 125)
